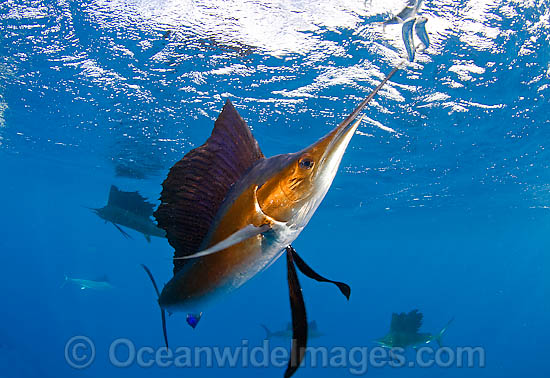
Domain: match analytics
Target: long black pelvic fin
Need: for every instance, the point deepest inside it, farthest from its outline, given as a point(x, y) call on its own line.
point(306, 270)
point(364, 103)
point(162, 312)
point(299, 317)
point(124, 233)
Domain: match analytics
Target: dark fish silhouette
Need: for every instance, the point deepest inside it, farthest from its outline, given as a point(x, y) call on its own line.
point(229, 212)
point(128, 171)
point(312, 332)
point(404, 332)
point(130, 209)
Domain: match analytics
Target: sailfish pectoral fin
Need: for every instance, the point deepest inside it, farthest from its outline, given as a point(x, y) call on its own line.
point(299, 318)
point(235, 238)
point(306, 270)
point(124, 233)
point(162, 312)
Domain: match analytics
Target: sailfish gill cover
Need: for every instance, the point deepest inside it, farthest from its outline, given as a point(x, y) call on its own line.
point(440, 204)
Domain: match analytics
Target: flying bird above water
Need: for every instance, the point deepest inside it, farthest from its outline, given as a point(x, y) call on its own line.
point(410, 11)
point(418, 24)
point(230, 212)
point(411, 22)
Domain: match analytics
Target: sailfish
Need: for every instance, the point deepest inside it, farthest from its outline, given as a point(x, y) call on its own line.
point(405, 332)
point(129, 209)
point(229, 212)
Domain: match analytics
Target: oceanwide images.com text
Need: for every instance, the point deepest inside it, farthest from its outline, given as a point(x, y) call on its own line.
point(80, 353)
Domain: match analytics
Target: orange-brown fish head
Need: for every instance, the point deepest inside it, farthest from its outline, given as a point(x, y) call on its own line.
point(295, 190)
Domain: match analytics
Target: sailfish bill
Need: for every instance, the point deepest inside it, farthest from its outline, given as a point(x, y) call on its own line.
point(229, 212)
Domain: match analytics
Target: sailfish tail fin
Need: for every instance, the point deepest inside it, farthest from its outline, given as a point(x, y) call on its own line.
point(443, 330)
point(268, 333)
point(162, 312)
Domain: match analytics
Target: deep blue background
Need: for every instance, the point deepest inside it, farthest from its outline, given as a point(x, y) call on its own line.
point(449, 214)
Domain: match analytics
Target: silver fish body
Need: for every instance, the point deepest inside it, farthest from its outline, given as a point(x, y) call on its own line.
point(82, 284)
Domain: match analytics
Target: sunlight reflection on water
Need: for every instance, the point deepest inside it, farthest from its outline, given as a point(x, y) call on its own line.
point(145, 79)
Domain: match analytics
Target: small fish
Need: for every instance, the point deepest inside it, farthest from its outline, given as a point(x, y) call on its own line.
point(421, 33)
point(193, 319)
point(408, 39)
point(408, 12)
point(99, 284)
point(286, 334)
point(130, 209)
point(404, 332)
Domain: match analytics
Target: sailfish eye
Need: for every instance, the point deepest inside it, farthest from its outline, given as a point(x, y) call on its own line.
point(306, 163)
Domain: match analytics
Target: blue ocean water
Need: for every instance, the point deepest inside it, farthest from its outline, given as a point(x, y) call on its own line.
point(440, 204)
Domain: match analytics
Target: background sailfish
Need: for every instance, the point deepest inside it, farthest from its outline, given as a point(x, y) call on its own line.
point(129, 209)
point(229, 213)
point(405, 332)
